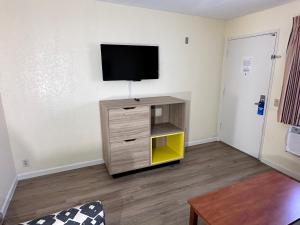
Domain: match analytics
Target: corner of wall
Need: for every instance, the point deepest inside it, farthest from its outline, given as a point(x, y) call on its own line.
point(9, 197)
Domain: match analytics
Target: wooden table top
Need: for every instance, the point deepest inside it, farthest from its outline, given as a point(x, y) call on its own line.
point(267, 199)
point(160, 100)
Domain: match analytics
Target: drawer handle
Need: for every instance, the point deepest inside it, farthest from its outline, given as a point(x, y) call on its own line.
point(130, 140)
point(127, 108)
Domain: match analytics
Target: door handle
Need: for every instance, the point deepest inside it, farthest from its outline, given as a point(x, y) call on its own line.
point(128, 108)
point(261, 105)
point(130, 140)
point(262, 99)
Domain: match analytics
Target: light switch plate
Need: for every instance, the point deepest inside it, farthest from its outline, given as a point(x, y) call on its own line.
point(158, 112)
point(276, 102)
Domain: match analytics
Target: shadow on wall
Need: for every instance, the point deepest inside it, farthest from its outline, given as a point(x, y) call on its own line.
point(74, 135)
point(69, 135)
point(95, 62)
point(20, 143)
point(40, 159)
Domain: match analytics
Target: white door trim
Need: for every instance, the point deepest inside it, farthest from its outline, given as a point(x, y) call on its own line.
point(276, 32)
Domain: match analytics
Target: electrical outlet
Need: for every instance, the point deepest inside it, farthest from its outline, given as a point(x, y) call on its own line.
point(25, 163)
point(276, 102)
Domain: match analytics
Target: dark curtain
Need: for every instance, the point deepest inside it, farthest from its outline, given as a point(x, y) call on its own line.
point(289, 107)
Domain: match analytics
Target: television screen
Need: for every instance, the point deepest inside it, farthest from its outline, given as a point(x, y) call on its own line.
point(129, 62)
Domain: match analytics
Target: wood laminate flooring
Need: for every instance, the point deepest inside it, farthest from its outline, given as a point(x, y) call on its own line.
point(155, 197)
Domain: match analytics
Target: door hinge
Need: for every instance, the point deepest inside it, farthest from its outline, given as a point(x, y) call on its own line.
point(275, 56)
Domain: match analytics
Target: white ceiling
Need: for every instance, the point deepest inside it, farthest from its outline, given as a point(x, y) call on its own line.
point(220, 9)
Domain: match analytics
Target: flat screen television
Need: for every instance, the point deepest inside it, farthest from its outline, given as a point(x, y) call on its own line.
point(129, 62)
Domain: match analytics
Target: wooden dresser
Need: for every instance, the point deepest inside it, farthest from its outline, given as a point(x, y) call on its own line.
point(139, 134)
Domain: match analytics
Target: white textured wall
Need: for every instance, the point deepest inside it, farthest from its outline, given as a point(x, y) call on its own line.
point(7, 168)
point(51, 81)
point(281, 19)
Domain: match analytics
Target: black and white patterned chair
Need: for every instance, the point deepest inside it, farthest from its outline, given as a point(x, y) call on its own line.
point(88, 214)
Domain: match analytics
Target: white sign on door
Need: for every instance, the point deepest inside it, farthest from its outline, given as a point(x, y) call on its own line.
point(247, 65)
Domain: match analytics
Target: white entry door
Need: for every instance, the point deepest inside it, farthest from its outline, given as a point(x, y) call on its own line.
point(248, 67)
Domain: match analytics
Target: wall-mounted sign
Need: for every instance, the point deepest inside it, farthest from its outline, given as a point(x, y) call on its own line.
point(247, 65)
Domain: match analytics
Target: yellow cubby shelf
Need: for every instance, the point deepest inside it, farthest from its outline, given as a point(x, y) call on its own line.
point(166, 148)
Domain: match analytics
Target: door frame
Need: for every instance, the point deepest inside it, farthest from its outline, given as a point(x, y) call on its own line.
point(270, 83)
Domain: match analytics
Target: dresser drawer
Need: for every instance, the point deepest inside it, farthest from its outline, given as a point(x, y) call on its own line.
point(129, 123)
point(129, 114)
point(129, 155)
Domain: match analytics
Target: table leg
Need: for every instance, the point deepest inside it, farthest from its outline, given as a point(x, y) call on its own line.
point(193, 217)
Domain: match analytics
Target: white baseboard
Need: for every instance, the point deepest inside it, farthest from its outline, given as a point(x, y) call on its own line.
point(38, 173)
point(58, 169)
point(202, 141)
point(282, 169)
point(9, 197)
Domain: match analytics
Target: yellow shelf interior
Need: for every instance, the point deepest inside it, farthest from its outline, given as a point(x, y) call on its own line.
point(167, 148)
